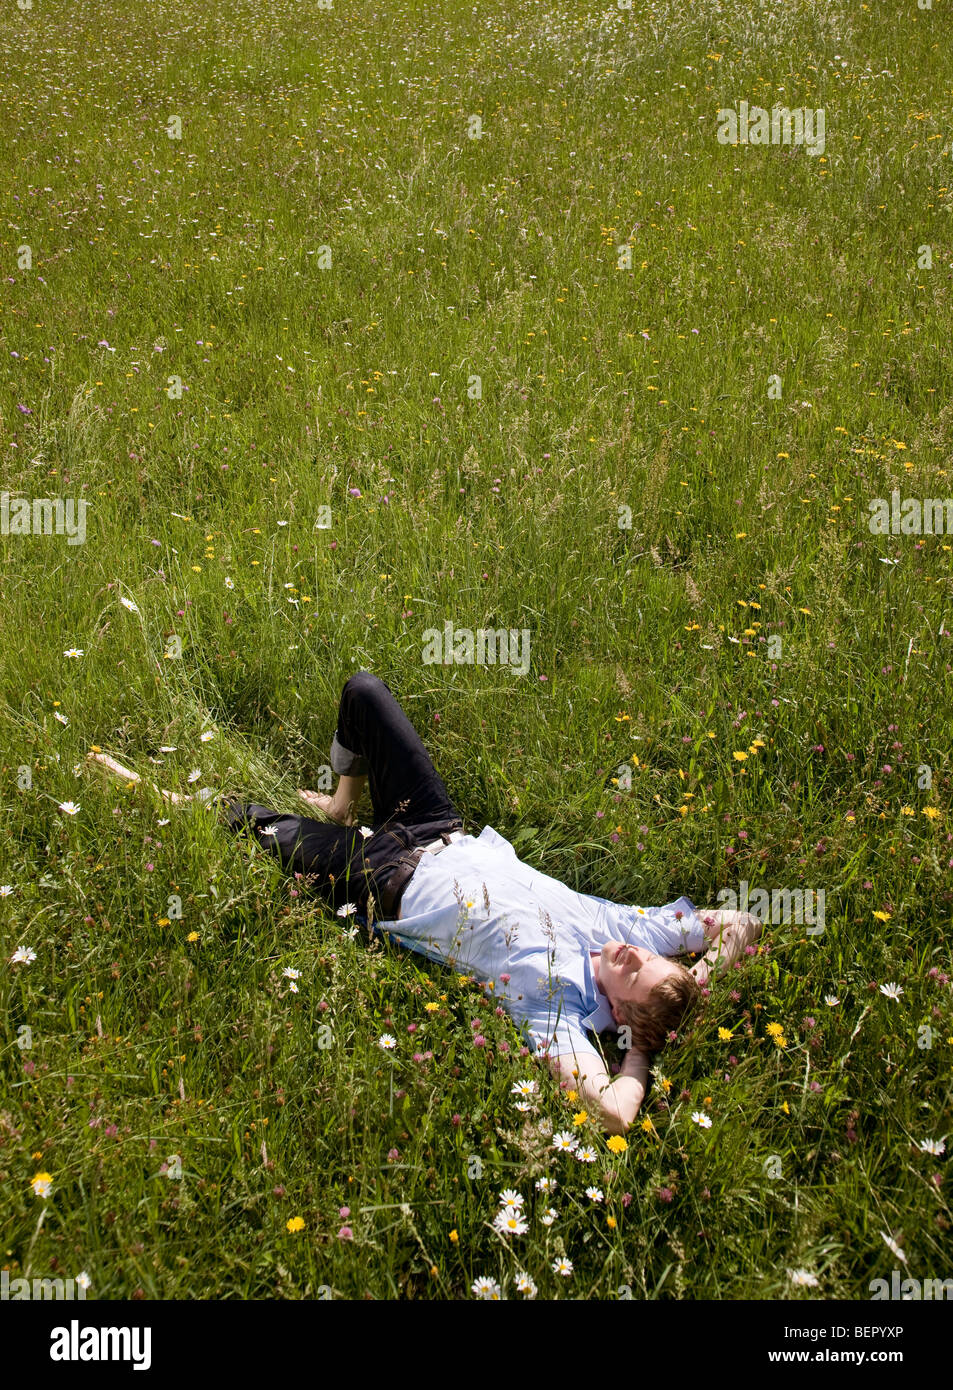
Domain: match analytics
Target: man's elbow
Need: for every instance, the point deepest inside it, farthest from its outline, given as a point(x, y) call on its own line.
point(616, 1119)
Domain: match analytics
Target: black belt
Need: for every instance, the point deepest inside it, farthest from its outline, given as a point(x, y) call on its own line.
point(393, 890)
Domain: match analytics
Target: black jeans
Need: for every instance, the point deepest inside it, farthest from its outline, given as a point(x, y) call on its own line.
point(411, 804)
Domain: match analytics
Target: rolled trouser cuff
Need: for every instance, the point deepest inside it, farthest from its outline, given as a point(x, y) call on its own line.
point(344, 762)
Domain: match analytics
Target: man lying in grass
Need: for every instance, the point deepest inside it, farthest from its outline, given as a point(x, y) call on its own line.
point(561, 962)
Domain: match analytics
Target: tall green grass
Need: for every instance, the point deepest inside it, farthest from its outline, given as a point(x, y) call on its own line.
point(156, 1038)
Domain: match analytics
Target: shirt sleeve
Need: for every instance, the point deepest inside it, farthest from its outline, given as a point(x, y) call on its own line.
point(670, 930)
point(559, 1033)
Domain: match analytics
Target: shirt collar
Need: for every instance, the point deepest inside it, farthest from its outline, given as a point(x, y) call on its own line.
point(600, 1016)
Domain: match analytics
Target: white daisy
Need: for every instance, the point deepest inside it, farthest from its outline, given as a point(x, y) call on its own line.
point(565, 1142)
point(586, 1154)
point(366, 832)
point(229, 584)
point(41, 1184)
point(487, 1289)
point(164, 822)
point(61, 717)
point(509, 1198)
point(831, 1000)
point(347, 909)
point(803, 1278)
point(548, 1217)
point(932, 1146)
point(207, 736)
point(523, 1106)
point(268, 830)
point(510, 1223)
point(168, 748)
point(562, 1266)
point(73, 652)
point(23, 955)
point(523, 1088)
point(546, 1184)
point(292, 988)
point(594, 1194)
point(128, 603)
point(5, 890)
point(525, 1285)
point(83, 1279)
point(69, 808)
point(891, 990)
point(699, 1118)
point(387, 1041)
point(894, 1247)
point(290, 973)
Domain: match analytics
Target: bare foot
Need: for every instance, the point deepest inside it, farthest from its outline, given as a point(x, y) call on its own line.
point(320, 801)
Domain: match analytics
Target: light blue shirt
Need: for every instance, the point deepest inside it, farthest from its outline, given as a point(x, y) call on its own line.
point(477, 907)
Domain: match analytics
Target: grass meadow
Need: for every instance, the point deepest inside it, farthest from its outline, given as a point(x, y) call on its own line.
point(333, 362)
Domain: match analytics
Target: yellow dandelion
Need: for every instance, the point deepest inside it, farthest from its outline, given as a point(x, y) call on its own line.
point(295, 1223)
point(882, 916)
point(616, 1144)
point(611, 1222)
point(454, 1237)
point(931, 812)
point(431, 1008)
point(740, 757)
point(725, 1034)
point(580, 1118)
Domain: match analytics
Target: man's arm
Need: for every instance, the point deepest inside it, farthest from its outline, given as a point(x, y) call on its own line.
point(615, 1101)
point(123, 774)
point(729, 933)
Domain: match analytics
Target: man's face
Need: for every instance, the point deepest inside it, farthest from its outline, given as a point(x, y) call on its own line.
point(628, 974)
